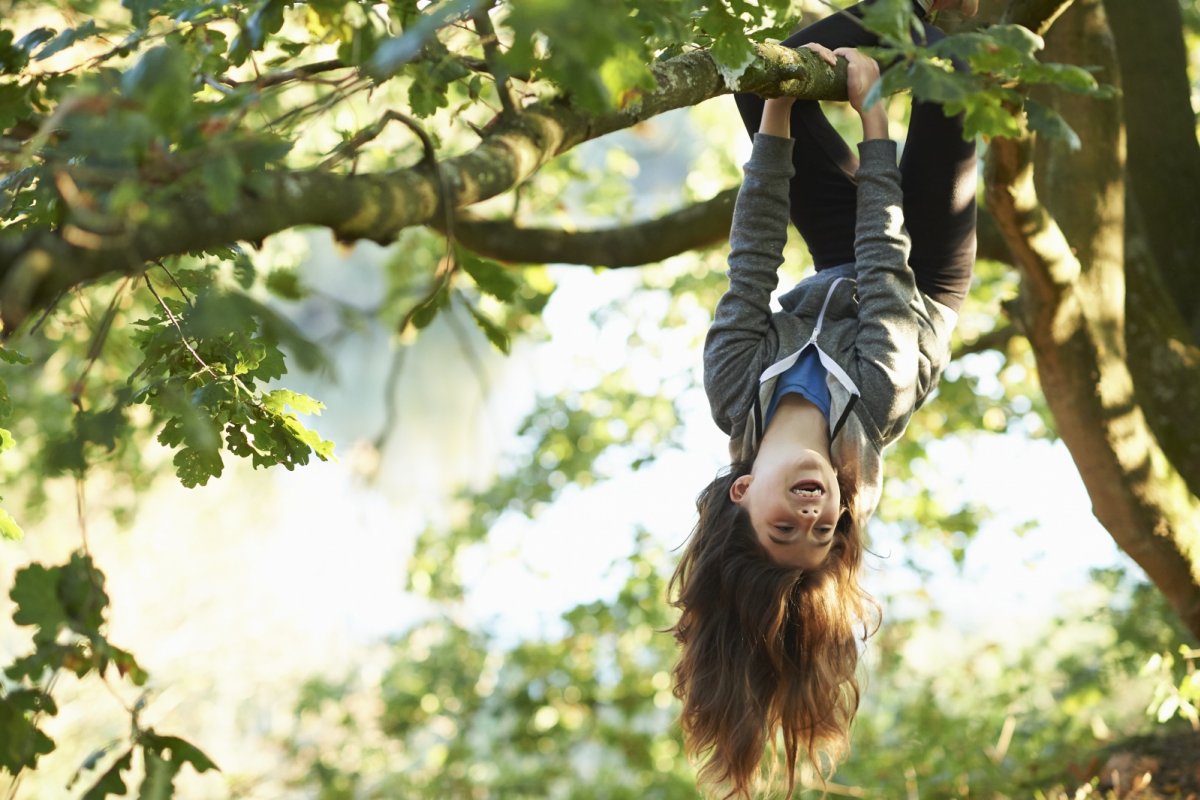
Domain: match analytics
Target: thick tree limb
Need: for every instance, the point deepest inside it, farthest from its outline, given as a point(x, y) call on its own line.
point(36, 266)
point(1161, 240)
point(1073, 315)
point(1164, 156)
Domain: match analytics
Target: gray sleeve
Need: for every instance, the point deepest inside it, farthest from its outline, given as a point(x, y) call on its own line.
point(741, 342)
point(886, 344)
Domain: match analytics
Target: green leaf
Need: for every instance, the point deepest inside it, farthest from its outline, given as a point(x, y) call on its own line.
point(394, 53)
point(243, 269)
point(21, 742)
point(12, 59)
point(938, 83)
point(67, 38)
point(194, 466)
point(13, 356)
point(14, 106)
point(285, 283)
point(161, 82)
point(1017, 37)
point(111, 782)
point(221, 177)
point(141, 10)
point(81, 591)
point(278, 401)
point(266, 20)
point(159, 783)
point(893, 20)
point(9, 529)
point(495, 334)
point(731, 49)
point(182, 752)
point(490, 276)
point(29, 42)
point(429, 309)
point(35, 592)
point(126, 665)
point(1048, 122)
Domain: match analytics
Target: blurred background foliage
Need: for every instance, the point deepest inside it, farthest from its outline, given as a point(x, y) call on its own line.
point(128, 380)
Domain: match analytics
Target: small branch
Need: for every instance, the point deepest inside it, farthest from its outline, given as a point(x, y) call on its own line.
point(97, 344)
point(699, 225)
point(491, 53)
point(297, 73)
point(391, 388)
point(1036, 15)
point(182, 336)
point(995, 339)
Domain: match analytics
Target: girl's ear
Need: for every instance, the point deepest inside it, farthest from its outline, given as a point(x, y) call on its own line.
point(737, 489)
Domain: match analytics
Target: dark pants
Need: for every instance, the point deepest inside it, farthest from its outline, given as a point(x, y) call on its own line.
point(938, 175)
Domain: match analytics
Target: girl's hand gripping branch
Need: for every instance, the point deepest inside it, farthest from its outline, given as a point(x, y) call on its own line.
point(861, 76)
point(862, 73)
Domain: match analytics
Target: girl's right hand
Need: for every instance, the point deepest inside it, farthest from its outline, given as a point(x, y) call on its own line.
point(861, 74)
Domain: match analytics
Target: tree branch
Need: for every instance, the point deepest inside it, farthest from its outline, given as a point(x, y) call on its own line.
point(995, 339)
point(35, 266)
point(699, 225)
point(1037, 15)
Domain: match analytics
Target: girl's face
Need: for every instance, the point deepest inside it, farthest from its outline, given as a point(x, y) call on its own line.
point(794, 504)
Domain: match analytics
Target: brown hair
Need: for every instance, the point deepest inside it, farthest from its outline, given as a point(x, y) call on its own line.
point(765, 649)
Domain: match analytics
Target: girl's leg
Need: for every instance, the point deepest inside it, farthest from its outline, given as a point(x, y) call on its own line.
point(938, 173)
point(823, 193)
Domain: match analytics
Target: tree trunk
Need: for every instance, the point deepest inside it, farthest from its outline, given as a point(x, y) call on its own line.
point(1069, 244)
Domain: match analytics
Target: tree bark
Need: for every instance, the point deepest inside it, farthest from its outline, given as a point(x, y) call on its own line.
point(1164, 155)
point(1073, 312)
point(1163, 329)
point(699, 225)
point(36, 266)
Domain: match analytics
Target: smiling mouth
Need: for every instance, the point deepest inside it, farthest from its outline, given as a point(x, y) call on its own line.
point(809, 488)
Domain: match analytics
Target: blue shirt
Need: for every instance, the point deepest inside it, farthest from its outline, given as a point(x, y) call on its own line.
point(806, 378)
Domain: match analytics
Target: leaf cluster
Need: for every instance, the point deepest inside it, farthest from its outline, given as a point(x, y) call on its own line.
point(984, 75)
point(66, 606)
point(206, 363)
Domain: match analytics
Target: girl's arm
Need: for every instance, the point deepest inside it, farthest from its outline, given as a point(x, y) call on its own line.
point(888, 354)
point(739, 345)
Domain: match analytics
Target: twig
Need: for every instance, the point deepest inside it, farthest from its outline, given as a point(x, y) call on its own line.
point(491, 54)
point(467, 348)
point(182, 336)
point(296, 73)
point(97, 343)
point(992, 340)
point(80, 512)
point(178, 286)
point(391, 385)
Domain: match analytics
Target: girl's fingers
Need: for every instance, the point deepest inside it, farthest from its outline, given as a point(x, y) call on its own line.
point(824, 52)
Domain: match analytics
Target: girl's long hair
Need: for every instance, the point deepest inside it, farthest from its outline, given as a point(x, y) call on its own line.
point(767, 651)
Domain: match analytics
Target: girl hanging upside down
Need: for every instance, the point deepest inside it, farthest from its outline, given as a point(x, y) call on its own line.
point(772, 609)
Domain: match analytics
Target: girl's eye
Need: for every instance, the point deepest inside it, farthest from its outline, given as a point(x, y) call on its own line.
point(784, 528)
point(824, 529)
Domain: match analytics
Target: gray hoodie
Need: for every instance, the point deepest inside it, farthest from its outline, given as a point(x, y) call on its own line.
point(883, 342)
